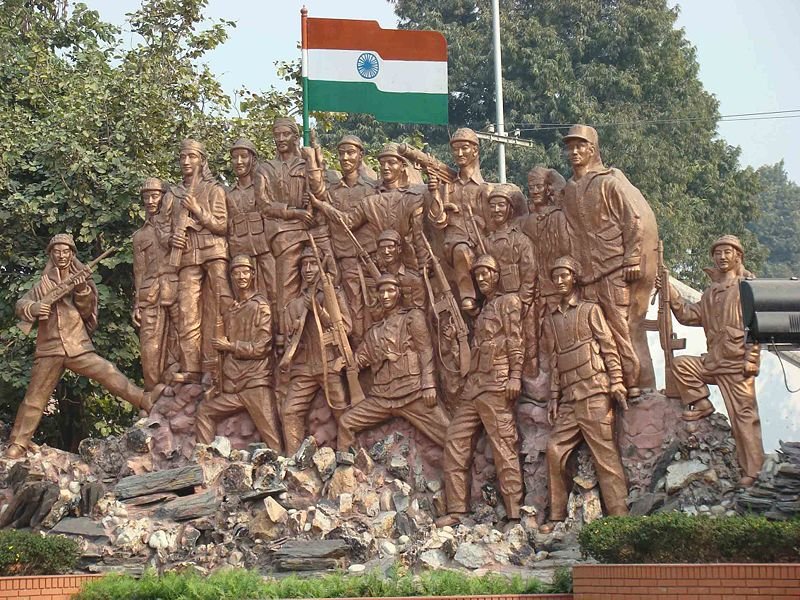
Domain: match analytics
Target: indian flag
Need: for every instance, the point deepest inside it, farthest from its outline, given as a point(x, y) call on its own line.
point(357, 67)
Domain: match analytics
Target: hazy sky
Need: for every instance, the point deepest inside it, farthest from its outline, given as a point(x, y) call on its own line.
point(747, 53)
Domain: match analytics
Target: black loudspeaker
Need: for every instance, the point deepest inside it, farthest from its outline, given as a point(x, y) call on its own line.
point(771, 310)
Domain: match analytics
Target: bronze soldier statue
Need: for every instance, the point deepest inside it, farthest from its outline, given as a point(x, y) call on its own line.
point(64, 304)
point(392, 206)
point(614, 238)
point(199, 223)
point(513, 251)
point(489, 397)
point(247, 227)
point(247, 362)
point(313, 357)
point(412, 287)
point(344, 195)
point(730, 362)
point(456, 208)
point(399, 351)
point(155, 305)
point(585, 375)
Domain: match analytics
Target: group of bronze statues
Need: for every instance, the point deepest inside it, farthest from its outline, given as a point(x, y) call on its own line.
point(436, 303)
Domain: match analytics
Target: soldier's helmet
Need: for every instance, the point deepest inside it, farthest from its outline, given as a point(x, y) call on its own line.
point(567, 262)
point(353, 140)
point(730, 240)
point(488, 261)
point(582, 132)
point(242, 260)
point(387, 279)
point(465, 134)
point(62, 238)
point(245, 144)
point(151, 184)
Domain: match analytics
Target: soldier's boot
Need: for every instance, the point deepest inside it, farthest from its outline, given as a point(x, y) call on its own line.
point(15, 451)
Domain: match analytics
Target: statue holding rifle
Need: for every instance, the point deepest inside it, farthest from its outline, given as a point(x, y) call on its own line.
point(317, 350)
point(63, 306)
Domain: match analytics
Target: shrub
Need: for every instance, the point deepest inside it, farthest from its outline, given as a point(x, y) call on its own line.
point(26, 553)
point(235, 584)
point(681, 538)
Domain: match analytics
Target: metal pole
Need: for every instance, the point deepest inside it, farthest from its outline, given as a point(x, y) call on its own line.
point(498, 90)
point(304, 73)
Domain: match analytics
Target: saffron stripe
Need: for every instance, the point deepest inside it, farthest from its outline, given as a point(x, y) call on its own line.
point(390, 44)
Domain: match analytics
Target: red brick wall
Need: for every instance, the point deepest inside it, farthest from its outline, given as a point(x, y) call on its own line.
point(687, 582)
point(51, 587)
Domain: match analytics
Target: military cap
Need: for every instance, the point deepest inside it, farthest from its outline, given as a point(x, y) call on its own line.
point(465, 134)
point(386, 279)
point(389, 234)
point(242, 260)
point(582, 132)
point(286, 122)
point(190, 145)
point(503, 190)
point(391, 149)
point(567, 262)
point(62, 238)
point(539, 172)
point(308, 252)
point(152, 183)
point(730, 240)
point(353, 140)
point(245, 144)
point(488, 261)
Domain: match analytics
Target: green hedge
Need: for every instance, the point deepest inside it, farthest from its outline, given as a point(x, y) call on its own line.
point(239, 584)
point(26, 553)
point(681, 538)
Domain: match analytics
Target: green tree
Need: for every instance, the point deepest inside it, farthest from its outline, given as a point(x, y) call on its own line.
point(779, 221)
point(619, 65)
point(82, 122)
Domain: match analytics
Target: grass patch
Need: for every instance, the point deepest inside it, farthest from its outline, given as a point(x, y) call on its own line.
point(240, 584)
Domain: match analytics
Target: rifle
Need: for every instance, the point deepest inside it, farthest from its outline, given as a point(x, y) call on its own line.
point(64, 288)
point(433, 166)
point(447, 304)
point(339, 332)
point(175, 253)
point(363, 255)
point(663, 324)
point(216, 379)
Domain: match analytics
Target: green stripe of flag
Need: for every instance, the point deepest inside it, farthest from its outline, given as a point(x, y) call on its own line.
point(365, 97)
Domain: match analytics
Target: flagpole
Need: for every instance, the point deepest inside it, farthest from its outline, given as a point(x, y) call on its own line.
point(498, 91)
point(304, 73)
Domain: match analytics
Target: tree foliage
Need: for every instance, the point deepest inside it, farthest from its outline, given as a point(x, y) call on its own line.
point(83, 120)
point(618, 65)
point(779, 221)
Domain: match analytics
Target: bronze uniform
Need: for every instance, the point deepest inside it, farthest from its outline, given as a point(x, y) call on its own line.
point(246, 374)
point(401, 356)
point(315, 363)
point(497, 356)
point(583, 365)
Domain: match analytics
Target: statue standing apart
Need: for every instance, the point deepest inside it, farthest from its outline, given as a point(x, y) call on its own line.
point(247, 362)
point(513, 252)
point(64, 304)
point(344, 195)
point(199, 218)
point(313, 358)
point(247, 229)
point(615, 239)
point(155, 308)
point(730, 363)
point(455, 208)
point(399, 351)
point(585, 375)
point(489, 397)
